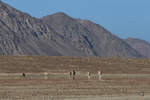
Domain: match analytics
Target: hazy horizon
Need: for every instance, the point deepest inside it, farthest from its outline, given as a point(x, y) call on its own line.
point(124, 18)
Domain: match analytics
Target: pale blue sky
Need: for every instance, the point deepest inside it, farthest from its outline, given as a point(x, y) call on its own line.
point(125, 18)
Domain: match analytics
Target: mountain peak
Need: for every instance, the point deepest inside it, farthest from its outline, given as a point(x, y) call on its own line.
point(59, 15)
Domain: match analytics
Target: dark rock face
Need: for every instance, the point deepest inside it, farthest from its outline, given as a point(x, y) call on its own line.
point(141, 46)
point(57, 35)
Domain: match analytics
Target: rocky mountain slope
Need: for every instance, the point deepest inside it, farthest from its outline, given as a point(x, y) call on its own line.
point(141, 46)
point(57, 35)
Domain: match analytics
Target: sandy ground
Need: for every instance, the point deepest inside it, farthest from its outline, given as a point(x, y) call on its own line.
point(122, 79)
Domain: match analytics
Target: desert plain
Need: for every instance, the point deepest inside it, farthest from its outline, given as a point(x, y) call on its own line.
point(49, 78)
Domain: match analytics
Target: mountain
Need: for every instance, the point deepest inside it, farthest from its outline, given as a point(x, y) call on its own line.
point(89, 37)
point(22, 34)
point(141, 46)
point(57, 35)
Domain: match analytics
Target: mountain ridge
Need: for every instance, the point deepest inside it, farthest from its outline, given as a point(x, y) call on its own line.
point(57, 35)
point(141, 46)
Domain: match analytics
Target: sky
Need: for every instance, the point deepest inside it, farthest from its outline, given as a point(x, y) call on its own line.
point(124, 18)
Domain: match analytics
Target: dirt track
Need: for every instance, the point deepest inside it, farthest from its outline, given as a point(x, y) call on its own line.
point(123, 79)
